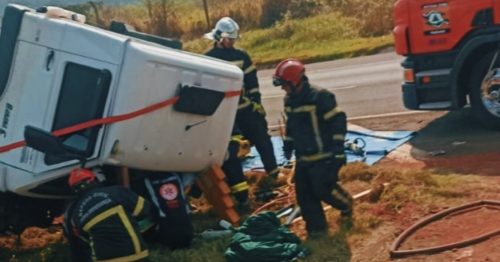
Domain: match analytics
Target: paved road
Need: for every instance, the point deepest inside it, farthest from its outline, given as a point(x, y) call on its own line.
point(363, 86)
point(369, 90)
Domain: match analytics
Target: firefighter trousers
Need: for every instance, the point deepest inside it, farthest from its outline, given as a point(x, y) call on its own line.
point(315, 182)
point(234, 173)
point(253, 125)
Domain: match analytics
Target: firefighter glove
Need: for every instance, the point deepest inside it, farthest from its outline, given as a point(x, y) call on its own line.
point(244, 145)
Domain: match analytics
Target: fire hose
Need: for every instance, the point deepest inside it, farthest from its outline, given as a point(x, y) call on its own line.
point(460, 209)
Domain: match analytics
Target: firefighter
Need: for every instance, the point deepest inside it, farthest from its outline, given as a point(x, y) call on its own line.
point(315, 129)
point(233, 169)
point(251, 116)
point(103, 222)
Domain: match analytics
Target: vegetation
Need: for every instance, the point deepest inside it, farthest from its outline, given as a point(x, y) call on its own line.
point(419, 191)
point(311, 30)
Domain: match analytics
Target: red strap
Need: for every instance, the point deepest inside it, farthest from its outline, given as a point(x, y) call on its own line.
point(108, 120)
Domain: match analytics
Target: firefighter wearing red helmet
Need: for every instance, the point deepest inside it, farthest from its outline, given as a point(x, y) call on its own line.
point(102, 223)
point(250, 117)
point(315, 129)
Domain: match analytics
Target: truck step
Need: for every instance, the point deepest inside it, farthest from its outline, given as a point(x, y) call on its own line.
point(435, 105)
point(436, 72)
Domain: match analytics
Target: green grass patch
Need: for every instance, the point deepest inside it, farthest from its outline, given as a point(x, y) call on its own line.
point(334, 38)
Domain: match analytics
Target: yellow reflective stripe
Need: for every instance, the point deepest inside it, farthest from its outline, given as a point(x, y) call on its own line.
point(238, 63)
point(314, 121)
point(239, 187)
point(288, 138)
point(100, 218)
point(133, 257)
point(337, 195)
point(245, 104)
point(340, 137)
point(288, 109)
point(121, 213)
point(236, 138)
point(130, 229)
point(340, 156)
point(301, 109)
point(250, 69)
point(139, 206)
point(315, 157)
point(253, 90)
point(332, 113)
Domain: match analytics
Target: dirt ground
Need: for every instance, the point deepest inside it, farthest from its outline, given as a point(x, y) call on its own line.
point(462, 147)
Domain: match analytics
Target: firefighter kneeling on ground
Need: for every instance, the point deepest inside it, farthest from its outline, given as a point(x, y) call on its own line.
point(103, 222)
point(315, 129)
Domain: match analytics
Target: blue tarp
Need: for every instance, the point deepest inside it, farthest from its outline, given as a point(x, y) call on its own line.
point(378, 144)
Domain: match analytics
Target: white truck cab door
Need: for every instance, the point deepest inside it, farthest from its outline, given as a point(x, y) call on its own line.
point(81, 92)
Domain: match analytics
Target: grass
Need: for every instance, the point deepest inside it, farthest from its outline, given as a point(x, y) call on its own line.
point(420, 190)
point(272, 30)
point(334, 35)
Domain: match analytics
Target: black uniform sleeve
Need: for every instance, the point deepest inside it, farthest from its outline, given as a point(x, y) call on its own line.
point(136, 205)
point(250, 80)
point(335, 119)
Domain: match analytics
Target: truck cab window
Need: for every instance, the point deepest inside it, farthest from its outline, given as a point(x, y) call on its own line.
point(82, 98)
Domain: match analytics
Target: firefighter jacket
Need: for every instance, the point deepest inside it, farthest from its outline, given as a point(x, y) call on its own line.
point(106, 218)
point(316, 126)
point(239, 57)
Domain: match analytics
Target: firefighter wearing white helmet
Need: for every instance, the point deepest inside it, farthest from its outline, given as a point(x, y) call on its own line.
point(225, 28)
point(251, 116)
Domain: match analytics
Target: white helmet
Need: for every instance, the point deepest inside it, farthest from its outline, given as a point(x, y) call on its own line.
point(225, 28)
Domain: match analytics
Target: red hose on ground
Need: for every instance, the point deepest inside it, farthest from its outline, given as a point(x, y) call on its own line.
point(463, 208)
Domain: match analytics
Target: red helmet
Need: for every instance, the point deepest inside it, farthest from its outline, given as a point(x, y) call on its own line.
point(289, 71)
point(78, 175)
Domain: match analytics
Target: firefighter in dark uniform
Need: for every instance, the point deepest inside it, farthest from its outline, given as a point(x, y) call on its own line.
point(233, 169)
point(315, 129)
point(251, 116)
point(102, 224)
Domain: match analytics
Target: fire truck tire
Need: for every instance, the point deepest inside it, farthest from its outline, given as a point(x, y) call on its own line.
point(478, 107)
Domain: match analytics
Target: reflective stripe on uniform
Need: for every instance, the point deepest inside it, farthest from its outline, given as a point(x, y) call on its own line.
point(126, 222)
point(315, 157)
point(288, 109)
point(339, 196)
point(246, 103)
point(314, 121)
point(238, 63)
point(250, 69)
point(239, 187)
point(139, 206)
point(253, 90)
point(288, 138)
point(332, 113)
point(133, 257)
point(340, 137)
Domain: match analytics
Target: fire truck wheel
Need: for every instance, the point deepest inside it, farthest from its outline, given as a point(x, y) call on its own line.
point(484, 92)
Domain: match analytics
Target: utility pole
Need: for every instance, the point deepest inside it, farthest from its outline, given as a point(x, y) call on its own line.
point(206, 13)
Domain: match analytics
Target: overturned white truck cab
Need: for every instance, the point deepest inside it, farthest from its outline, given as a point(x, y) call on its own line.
point(122, 97)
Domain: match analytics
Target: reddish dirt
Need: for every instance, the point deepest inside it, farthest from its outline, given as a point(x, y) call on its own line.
point(468, 149)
